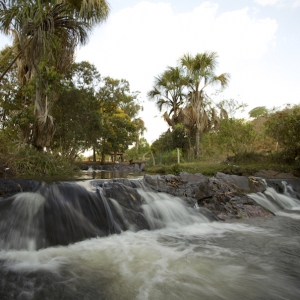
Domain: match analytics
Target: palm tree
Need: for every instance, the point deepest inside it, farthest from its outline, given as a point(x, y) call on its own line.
point(199, 73)
point(168, 92)
point(46, 34)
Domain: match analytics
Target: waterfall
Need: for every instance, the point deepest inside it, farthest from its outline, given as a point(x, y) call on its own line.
point(117, 239)
point(64, 213)
point(284, 203)
point(22, 223)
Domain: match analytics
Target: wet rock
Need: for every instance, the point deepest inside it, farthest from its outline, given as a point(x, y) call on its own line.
point(223, 195)
point(135, 167)
point(242, 183)
point(9, 187)
point(280, 186)
point(270, 174)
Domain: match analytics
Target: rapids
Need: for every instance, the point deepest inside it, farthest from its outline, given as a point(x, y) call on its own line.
point(149, 246)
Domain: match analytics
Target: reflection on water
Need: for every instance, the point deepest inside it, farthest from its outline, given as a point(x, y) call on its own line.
point(108, 175)
point(86, 175)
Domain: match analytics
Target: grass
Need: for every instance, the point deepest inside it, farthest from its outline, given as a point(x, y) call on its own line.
point(30, 162)
point(210, 166)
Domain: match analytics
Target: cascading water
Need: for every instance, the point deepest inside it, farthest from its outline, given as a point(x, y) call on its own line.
point(279, 204)
point(111, 241)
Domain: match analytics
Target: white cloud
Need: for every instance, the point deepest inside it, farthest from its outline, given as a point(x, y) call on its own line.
point(268, 2)
point(296, 3)
point(279, 3)
point(138, 43)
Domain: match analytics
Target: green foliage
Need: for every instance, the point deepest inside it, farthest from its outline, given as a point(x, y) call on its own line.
point(122, 131)
point(168, 92)
point(176, 169)
point(168, 158)
point(83, 75)
point(10, 90)
point(231, 106)
point(246, 157)
point(258, 112)
point(210, 145)
point(284, 127)
point(78, 122)
point(119, 107)
point(180, 138)
point(46, 34)
point(163, 143)
point(236, 135)
point(139, 153)
point(5, 143)
point(30, 162)
point(77, 112)
point(246, 164)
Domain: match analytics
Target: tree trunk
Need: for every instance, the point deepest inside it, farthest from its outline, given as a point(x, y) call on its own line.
point(102, 157)
point(94, 154)
point(153, 159)
point(197, 143)
point(137, 143)
point(43, 132)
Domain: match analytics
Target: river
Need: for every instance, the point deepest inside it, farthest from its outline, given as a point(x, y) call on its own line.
point(187, 257)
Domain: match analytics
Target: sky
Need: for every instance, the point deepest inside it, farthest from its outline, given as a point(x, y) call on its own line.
point(257, 42)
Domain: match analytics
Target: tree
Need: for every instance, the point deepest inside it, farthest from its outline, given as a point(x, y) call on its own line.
point(119, 108)
point(231, 107)
point(84, 75)
point(9, 88)
point(46, 34)
point(236, 135)
point(258, 112)
point(77, 111)
point(140, 126)
point(122, 132)
point(180, 138)
point(78, 120)
point(168, 92)
point(141, 152)
point(199, 74)
point(284, 127)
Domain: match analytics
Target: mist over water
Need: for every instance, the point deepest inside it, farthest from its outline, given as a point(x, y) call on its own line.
point(183, 256)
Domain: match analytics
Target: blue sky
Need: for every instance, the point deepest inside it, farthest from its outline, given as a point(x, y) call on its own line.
point(257, 42)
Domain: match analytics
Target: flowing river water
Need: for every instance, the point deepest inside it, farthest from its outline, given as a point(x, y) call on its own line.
point(184, 256)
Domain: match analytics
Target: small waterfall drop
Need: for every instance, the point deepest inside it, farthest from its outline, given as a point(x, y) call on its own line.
point(161, 210)
point(65, 213)
point(61, 241)
point(22, 222)
point(278, 203)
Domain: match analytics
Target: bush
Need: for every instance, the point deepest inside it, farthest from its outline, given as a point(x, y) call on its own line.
point(30, 162)
point(284, 127)
point(168, 158)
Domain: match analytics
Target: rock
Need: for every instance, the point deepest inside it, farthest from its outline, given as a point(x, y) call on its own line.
point(134, 167)
point(242, 183)
point(223, 195)
point(9, 187)
point(270, 174)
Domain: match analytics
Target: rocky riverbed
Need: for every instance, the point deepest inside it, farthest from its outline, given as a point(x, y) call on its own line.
point(222, 197)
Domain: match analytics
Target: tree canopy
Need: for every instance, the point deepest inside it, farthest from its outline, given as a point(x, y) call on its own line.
point(46, 34)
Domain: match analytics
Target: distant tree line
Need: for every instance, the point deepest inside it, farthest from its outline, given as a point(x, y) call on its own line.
point(200, 126)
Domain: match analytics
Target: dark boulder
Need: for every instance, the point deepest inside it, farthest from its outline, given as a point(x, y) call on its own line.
point(224, 195)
